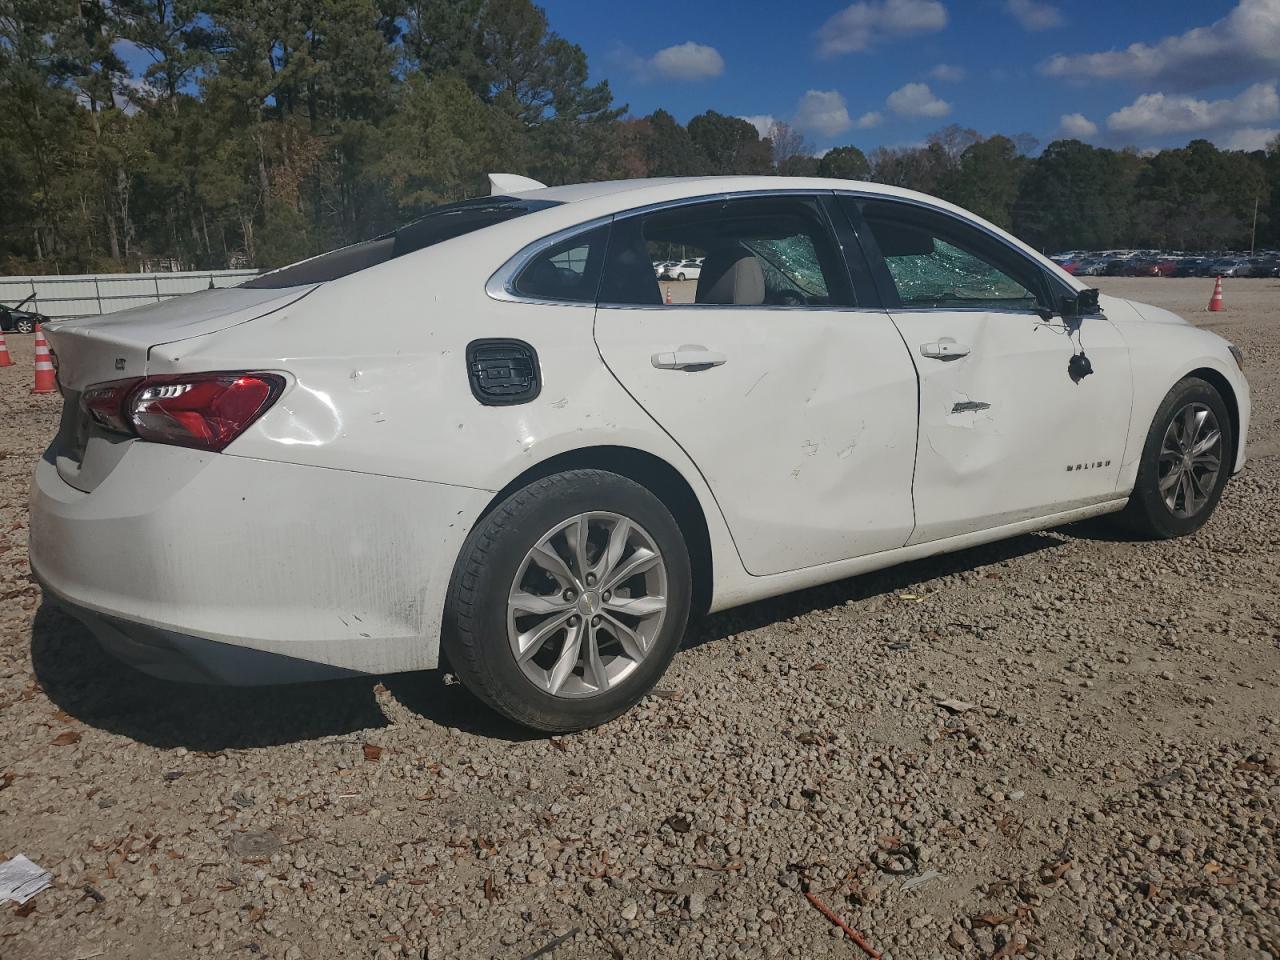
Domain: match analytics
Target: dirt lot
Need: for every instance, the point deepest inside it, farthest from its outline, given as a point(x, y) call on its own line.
point(1113, 792)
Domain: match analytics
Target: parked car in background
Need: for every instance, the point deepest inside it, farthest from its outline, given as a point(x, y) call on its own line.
point(1090, 266)
point(1229, 267)
point(17, 320)
point(685, 270)
point(1191, 267)
point(1262, 267)
point(863, 376)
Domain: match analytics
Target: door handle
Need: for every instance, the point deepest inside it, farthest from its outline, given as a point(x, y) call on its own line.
point(944, 348)
point(688, 357)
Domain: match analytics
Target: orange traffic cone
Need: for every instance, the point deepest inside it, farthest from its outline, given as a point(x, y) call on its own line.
point(45, 380)
point(5, 359)
point(668, 294)
point(1215, 302)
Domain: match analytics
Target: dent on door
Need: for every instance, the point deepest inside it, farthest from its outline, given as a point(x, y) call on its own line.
point(1006, 433)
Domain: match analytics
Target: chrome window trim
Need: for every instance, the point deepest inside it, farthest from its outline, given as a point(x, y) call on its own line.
point(982, 228)
point(823, 308)
point(1006, 311)
point(501, 285)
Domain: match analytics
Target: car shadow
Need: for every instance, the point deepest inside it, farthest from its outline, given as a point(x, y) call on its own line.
point(89, 684)
point(895, 579)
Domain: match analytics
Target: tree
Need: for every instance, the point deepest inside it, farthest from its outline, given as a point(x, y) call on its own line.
point(986, 180)
point(844, 163)
point(669, 150)
point(792, 153)
point(257, 131)
point(730, 145)
point(442, 141)
point(1075, 196)
point(916, 168)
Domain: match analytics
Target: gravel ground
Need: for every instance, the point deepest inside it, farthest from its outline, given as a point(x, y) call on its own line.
point(1113, 790)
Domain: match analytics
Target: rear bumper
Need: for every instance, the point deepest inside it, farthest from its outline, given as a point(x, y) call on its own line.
point(217, 568)
point(182, 657)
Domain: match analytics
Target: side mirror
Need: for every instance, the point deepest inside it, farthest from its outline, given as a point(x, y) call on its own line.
point(1084, 304)
point(1074, 308)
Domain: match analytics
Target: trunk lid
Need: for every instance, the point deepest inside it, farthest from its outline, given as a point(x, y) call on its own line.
point(94, 350)
point(115, 346)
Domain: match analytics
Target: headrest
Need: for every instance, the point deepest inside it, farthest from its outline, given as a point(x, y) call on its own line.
point(733, 276)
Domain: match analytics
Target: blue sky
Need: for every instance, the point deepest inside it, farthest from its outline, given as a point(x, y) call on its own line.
point(889, 72)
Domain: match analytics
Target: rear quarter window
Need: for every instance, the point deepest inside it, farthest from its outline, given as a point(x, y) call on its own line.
point(568, 271)
point(442, 223)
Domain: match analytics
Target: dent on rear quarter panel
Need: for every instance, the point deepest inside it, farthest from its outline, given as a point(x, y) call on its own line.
point(392, 397)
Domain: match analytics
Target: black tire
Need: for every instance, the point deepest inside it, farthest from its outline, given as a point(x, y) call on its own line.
point(680, 277)
point(24, 325)
point(474, 636)
point(1147, 514)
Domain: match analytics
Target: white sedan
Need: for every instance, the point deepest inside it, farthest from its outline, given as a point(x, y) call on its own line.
point(530, 463)
point(684, 270)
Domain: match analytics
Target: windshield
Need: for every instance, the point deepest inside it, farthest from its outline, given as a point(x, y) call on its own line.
point(442, 223)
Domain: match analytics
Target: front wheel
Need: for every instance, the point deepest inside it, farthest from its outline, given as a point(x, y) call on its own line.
point(1185, 463)
point(569, 600)
point(680, 277)
point(23, 325)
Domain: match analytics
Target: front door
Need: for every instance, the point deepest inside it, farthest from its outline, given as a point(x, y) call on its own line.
point(1009, 430)
point(798, 407)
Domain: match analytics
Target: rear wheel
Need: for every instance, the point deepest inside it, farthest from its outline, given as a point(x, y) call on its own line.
point(569, 600)
point(1185, 463)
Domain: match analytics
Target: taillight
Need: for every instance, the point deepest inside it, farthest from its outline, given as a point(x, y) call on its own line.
point(202, 410)
point(105, 404)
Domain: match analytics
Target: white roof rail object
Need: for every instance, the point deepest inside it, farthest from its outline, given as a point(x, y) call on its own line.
point(500, 183)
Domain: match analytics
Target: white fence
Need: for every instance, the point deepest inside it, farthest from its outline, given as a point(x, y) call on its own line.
point(92, 294)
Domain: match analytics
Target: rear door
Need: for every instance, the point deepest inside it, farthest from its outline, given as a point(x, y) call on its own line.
point(796, 399)
point(1007, 432)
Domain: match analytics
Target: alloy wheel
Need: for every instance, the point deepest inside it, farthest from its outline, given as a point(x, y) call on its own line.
point(587, 604)
point(1190, 460)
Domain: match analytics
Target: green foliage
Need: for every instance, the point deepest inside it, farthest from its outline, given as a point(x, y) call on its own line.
point(986, 180)
point(729, 145)
point(261, 131)
point(844, 163)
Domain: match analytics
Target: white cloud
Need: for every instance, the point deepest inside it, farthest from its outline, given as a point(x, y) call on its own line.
point(1154, 114)
point(1244, 45)
point(860, 25)
point(822, 112)
point(917, 100)
point(687, 61)
point(1077, 126)
point(947, 73)
point(872, 118)
point(1035, 14)
point(763, 122)
point(1249, 138)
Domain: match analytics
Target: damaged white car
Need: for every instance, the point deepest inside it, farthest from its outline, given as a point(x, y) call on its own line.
point(527, 462)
